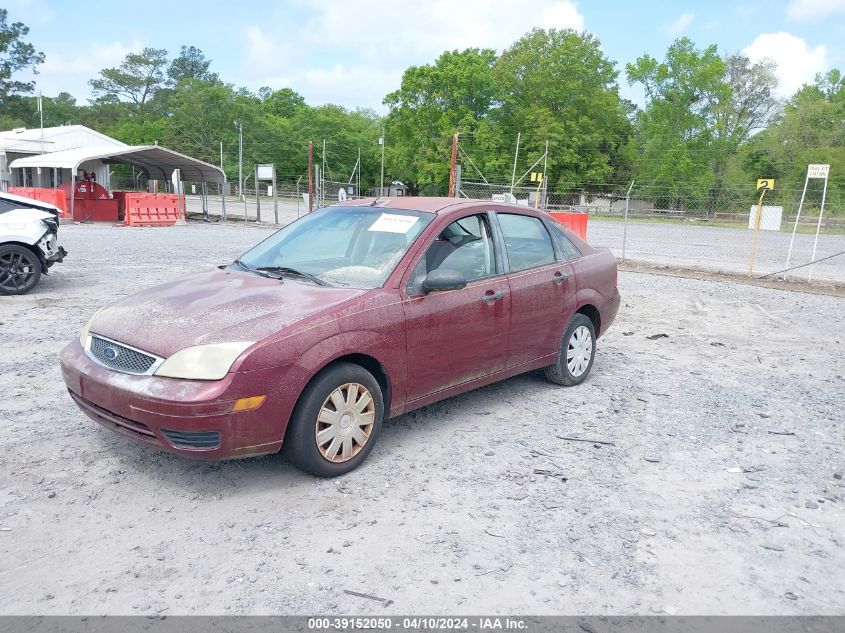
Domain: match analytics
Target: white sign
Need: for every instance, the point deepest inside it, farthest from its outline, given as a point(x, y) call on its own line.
point(391, 223)
point(818, 171)
point(265, 172)
point(770, 218)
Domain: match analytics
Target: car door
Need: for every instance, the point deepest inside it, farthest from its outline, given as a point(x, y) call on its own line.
point(456, 336)
point(542, 288)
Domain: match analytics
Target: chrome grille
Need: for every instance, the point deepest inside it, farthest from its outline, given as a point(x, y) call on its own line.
point(119, 357)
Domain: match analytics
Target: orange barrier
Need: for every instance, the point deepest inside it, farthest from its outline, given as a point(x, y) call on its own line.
point(575, 222)
point(51, 196)
point(148, 209)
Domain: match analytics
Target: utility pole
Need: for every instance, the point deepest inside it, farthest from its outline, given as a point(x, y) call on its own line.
point(41, 112)
point(240, 126)
point(381, 142)
point(310, 176)
point(452, 165)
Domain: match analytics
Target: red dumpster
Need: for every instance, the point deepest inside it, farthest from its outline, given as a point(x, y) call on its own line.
point(91, 202)
point(575, 222)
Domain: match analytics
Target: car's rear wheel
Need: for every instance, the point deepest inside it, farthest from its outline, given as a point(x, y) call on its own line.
point(336, 422)
point(20, 270)
point(577, 351)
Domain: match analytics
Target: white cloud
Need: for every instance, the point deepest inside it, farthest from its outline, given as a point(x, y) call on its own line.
point(797, 63)
point(29, 11)
point(804, 10)
point(748, 10)
point(680, 25)
point(71, 74)
point(380, 38)
point(563, 15)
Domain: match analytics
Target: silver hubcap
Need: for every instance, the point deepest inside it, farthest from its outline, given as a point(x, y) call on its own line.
point(579, 351)
point(345, 422)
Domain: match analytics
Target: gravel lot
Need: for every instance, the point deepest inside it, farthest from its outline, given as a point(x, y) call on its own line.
point(721, 492)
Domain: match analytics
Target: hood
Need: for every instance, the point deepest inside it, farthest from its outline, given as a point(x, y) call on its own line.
point(214, 307)
point(24, 225)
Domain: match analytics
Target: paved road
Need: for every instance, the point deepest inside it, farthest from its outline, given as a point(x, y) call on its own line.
point(695, 246)
point(720, 249)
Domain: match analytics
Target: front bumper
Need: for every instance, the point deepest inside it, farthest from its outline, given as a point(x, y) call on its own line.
point(50, 249)
point(188, 417)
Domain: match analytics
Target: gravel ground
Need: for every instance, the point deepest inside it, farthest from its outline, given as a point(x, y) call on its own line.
point(693, 245)
point(721, 493)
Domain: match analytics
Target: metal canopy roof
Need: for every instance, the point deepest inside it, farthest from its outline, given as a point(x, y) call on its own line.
point(157, 161)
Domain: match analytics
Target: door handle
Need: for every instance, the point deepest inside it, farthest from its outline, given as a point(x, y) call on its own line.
point(560, 277)
point(492, 296)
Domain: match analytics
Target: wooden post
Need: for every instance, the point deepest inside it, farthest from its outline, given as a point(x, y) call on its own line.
point(758, 216)
point(454, 162)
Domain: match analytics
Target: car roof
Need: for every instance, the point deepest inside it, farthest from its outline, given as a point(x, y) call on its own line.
point(440, 205)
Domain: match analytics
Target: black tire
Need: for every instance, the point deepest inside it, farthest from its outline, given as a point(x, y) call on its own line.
point(24, 266)
point(300, 445)
point(559, 373)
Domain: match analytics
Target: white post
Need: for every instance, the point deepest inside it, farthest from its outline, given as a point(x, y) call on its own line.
point(818, 228)
point(797, 217)
point(545, 199)
point(381, 183)
point(515, 157)
point(625, 224)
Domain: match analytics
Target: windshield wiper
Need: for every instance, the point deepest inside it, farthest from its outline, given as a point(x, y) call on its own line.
point(257, 271)
point(286, 270)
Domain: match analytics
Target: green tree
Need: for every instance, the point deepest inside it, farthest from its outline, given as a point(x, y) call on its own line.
point(748, 105)
point(191, 63)
point(283, 103)
point(136, 80)
point(15, 55)
point(433, 102)
point(674, 132)
point(811, 130)
point(557, 85)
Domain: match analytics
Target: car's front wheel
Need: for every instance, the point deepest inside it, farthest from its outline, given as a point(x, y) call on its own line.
point(20, 270)
point(336, 422)
point(577, 351)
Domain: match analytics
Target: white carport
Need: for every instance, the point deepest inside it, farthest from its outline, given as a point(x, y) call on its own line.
point(157, 162)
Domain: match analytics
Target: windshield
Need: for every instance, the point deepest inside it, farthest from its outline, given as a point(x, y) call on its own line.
point(341, 246)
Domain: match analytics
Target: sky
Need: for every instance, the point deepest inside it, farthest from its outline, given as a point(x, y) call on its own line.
point(353, 52)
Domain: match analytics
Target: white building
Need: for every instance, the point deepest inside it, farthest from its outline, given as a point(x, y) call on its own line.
point(22, 142)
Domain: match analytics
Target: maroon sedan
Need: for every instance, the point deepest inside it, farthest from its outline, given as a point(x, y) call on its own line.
point(350, 315)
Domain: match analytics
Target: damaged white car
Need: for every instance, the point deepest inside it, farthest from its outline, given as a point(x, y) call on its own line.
point(29, 232)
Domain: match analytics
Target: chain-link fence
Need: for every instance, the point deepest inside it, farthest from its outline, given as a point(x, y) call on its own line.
point(712, 232)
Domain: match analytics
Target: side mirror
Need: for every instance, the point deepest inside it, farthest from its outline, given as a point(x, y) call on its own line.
point(443, 279)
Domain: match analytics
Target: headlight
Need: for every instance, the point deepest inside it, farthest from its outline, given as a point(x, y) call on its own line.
point(86, 329)
point(203, 362)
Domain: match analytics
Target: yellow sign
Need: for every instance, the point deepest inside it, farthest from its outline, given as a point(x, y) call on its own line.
point(766, 183)
point(536, 176)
